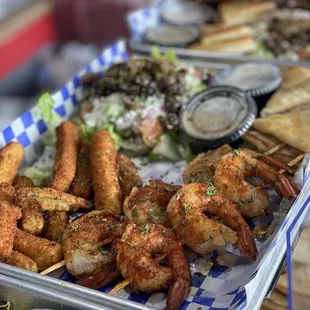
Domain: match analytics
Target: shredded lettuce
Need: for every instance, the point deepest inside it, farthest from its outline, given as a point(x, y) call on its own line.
point(262, 51)
point(39, 176)
point(113, 111)
point(51, 119)
point(85, 132)
point(169, 54)
point(199, 88)
point(117, 139)
point(155, 52)
point(166, 148)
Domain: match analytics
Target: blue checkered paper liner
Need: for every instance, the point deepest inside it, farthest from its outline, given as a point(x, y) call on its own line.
point(221, 287)
point(29, 128)
point(142, 19)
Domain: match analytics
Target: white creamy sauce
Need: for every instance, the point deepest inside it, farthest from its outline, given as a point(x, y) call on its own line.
point(249, 76)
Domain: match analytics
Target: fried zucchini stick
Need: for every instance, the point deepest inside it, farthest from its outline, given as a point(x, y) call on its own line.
point(22, 181)
point(44, 252)
point(20, 260)
point(32, 219)
point(128, 175)
point(108, 195)
point(11, 157)
point(67, 147)
point(56, 223)
point(81, 185)
point(9, 214)
point(6, 192)
point(51, 200)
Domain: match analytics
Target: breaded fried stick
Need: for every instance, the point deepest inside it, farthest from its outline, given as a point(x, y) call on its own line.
point(11, 157)
point(51, 200)
point(67, 147)
point(32, 219)
point(20, 260)
point(108, 195)
point(81, 185)
point(128, 175)
point(22, 181)
point(56, 223)
point(6, 192)
point(44, 252)
point(9, 214)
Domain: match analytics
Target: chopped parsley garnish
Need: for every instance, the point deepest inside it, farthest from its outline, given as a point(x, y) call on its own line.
point(144, 230)
point(59, 239)
point(79, 244)
point(247, 200)
point(133, 212)
point(210, 239)
point(211, 190)
point(75, 227)
point(112, 226)
point(187, 208)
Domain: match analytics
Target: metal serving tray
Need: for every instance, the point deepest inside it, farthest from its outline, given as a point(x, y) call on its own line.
point(27, 290)
point(211, 57)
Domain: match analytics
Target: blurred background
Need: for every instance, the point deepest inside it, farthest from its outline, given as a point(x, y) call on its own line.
point(44, 42)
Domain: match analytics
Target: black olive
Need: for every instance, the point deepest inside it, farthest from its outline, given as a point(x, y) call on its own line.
point(90, 78)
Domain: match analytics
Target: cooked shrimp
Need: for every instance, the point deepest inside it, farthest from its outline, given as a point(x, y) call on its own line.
point(148, 204)
point(206, 221)
point(128, 176)
point(250, 200)
point(202, 168)
point(89, 244)
point(151, 258)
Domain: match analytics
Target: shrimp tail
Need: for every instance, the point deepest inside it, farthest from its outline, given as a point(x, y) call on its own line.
point(246, 242)
point(101, 277)
point(181, 280)
point(286, 188)
point(272, 162)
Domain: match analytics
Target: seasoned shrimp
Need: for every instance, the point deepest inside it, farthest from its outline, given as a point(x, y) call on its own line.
point(89, 244)
point(151, 258)
point(202, 168)
point(250, 200)
point(206, 221)
point(148, 204)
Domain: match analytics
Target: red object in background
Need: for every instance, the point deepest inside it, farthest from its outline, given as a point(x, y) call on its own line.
point(94, 21)
point(31, 32)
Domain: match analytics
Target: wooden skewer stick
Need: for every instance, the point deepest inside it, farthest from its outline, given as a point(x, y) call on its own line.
point(293, 162)
point(275, 149)
point(54, 267)
point(119, 286)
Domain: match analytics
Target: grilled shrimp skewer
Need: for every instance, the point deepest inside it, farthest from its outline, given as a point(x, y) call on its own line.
point(250, 200)
point(206, 221)
point(85, 242)
point(151, 257)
